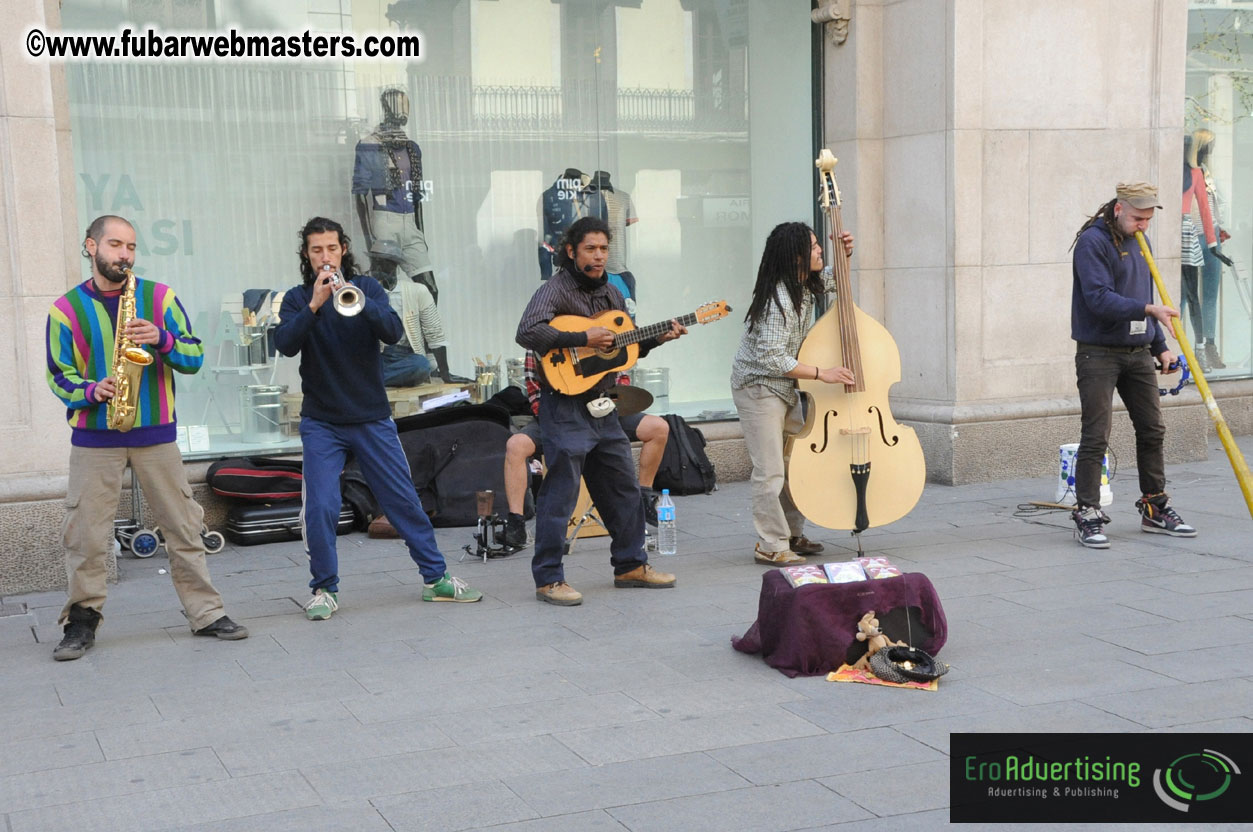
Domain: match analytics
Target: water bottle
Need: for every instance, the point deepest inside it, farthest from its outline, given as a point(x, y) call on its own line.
point(667, 531)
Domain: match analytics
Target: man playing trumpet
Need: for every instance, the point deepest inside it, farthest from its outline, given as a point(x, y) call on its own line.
point(107, 435)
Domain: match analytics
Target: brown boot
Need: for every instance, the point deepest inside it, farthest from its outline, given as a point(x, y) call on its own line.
point(644, 576)
point(784, 557)
point(560, 593)
point(381, 527)
point(804, 546)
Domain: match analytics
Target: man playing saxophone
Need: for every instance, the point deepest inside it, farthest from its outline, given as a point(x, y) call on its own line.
point(107, 435)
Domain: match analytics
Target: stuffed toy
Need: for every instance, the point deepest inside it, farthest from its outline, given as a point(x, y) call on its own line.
point(869, 632)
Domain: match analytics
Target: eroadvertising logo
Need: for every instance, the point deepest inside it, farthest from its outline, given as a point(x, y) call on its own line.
point(1066, 778)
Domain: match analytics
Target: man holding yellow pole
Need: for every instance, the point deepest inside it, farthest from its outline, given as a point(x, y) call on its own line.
point(1119, 332)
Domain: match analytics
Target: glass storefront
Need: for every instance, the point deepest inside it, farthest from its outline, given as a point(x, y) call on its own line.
point(691, 116)
point(1217, 220)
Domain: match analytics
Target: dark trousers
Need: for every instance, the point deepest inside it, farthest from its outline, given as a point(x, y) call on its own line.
point(1100, 371)
point(376, 447)
point(578, 445)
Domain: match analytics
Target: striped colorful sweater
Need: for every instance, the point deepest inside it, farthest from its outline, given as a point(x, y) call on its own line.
point(80, 352)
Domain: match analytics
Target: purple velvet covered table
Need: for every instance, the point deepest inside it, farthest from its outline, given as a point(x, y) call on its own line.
point(811, 630)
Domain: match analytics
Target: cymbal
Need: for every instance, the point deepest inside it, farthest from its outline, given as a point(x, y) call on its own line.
point(630, 399)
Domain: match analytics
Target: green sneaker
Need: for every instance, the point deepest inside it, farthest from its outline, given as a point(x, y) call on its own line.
point(449, 588)
point(321, 605)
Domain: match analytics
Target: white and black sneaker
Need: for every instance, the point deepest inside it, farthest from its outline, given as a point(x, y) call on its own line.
point(1157, 517)
point(1090, 527)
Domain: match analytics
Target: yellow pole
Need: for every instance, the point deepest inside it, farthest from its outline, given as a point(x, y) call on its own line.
point(1243, 477)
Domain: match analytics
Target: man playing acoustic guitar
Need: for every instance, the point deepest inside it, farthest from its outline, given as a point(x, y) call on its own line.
point(582, 440)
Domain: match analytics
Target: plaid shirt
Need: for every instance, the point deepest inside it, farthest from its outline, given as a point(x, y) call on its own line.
point(530, 380)
point(769, 349)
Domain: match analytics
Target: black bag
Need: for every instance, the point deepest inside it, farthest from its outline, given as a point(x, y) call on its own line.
point(452, 452)
point(256, 478)
point(684, 467)
point(248, 524)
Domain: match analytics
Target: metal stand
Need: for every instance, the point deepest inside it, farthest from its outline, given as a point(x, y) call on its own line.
point(143, 542)
point(489, 540)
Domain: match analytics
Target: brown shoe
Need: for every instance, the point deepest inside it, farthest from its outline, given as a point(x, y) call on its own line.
point(785, 557)
point(381, 527)
point(804, 546)
point(644, 576)
point(560, 593)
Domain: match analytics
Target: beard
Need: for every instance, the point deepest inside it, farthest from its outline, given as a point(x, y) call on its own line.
point(113, 272)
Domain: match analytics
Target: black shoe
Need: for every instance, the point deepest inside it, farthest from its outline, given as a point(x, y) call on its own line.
point(224, 629)
point(515, 531)
point(648, 498)
point(79, 638)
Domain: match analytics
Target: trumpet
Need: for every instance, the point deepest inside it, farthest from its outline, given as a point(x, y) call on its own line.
point(346, 298)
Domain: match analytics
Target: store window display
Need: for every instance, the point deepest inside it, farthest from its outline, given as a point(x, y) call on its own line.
point(1201, 253)
point(560, 205)
point(387, 187)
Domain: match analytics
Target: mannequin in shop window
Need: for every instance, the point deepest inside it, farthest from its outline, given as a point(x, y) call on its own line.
point(407, 363)
point(559, 206)
point(387, 189)
point(615, 207)
point(1202, 255)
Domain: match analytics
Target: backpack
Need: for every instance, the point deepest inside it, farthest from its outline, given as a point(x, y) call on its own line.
point(452, 453)
point(256, 478)
point(684, 467)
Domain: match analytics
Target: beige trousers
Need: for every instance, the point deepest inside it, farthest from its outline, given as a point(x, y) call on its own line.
point(766, 420)
point(87, 533)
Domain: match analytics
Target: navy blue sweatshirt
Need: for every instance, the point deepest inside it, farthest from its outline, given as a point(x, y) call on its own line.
point(341, 372)
point(1111, 287)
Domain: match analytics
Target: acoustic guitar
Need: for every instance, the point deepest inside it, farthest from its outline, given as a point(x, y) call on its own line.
point(575, 370)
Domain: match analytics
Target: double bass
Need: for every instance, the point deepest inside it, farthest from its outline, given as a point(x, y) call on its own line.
point(852, 466)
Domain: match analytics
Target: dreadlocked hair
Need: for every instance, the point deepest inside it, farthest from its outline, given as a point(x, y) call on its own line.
point(784, 260)
point(318, 225)
point(1105, 212)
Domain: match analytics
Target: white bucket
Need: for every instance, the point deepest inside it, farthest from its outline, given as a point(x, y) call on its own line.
point(1066, 476)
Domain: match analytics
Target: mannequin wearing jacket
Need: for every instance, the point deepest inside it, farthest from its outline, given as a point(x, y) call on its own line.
point(1202, 256)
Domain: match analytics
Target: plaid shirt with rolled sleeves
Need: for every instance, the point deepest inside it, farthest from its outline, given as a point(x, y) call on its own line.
point(769, 349)
point(530, 380)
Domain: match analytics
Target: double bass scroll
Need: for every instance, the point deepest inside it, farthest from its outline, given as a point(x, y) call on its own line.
point(853, 466)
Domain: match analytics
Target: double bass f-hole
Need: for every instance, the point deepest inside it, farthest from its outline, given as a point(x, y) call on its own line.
point(834, 415)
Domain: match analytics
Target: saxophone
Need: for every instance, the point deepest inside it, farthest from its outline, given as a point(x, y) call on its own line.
point(129, 361)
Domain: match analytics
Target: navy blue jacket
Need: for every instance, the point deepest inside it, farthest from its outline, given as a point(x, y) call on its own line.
point(1111, 287)
point(341, 373)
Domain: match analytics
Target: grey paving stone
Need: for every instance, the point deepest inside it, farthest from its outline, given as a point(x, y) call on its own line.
point(1200, 583)
point(665, 737)
point(252, 696)
point(921, 821)
point(275, 720)
point(157, 810)
point(530, 719)
point(1059, 717)
point(824, 755)
point(1088, 595)
point(598, 821)
point(72, 719)
point(619, 784)
point(1071, 681)
point(710, 696)
point(1194, 607)
point(1180, 704)
point(1097, 619)
point(48, 753)
point(754, 809)
point(898, 790)
point(439, 768)
point(94, 781)
point(358, 816)
point(472, 806)
point(621, 675)
point(1207, 665)
point(1176, 636)
point(841, 707)
point(459, 697)
point(416, 677)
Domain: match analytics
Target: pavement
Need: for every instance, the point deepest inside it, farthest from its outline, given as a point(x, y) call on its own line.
point(632, 711)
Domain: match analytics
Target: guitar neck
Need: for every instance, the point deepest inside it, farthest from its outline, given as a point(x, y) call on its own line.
point(635, 336)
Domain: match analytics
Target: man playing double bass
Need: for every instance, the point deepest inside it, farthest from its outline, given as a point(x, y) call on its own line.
point(577, 441)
